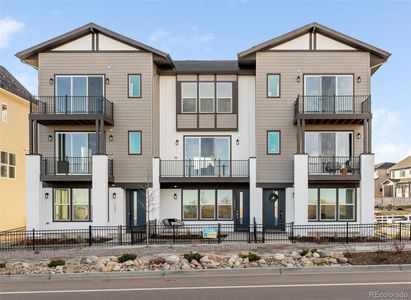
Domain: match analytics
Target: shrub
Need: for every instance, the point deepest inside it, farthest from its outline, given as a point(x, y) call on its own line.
point(2, 265)
point(253, 257)
point(127, 256)
point(314, 250)
point(56, 262)
point(304, 252)
point(193, 255)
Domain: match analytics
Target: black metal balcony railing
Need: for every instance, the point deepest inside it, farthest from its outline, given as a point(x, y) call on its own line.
point(68, 165)
point(69, 105)
point(204, 168)
point(333, 104)
point(333, 165)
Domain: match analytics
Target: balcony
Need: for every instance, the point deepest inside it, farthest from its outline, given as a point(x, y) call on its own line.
point(333, 168)
point(207, 170)
point(333, 109)
point(70, 169)
point(51, 110)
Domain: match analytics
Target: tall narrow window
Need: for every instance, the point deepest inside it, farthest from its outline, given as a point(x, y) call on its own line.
point(273, 85)
point(134, 85)
point(346, 204)
point(189, 97)
point(12, 165)
point(206, 91)
point(225, 204)
point(134, 142)
point(312, 204)
point(80, 204)
point(224, 97)
point(190, 204)
point(62, 204)
point(207, 204)
point(4, 162)
point(273, 142)
point(4, 112)
point(328, 202)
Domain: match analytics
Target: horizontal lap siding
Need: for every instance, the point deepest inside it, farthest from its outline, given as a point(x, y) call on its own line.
point(278, 113)
point(129, 114)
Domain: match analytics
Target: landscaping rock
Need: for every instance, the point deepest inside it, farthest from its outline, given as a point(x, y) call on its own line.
point(295, 255)
point(278, 256)
point(85, 261)
point(316, 255)
point(172, 259)
point(117, 267)
point(337, 255)
point(204, 260)
point(343, 260)
point(195, 263)
point(129, 263)
point(243, 254)
point(158, 260)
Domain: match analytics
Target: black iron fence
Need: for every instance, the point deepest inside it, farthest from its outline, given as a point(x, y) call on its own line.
point(204, 168)
point(333, 165)
point(67, 165)
point(154, 233)
point(72, 105)
point(333, 104)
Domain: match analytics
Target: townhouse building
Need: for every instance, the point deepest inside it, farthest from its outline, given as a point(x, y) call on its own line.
point(399, 181)
point(121, 132)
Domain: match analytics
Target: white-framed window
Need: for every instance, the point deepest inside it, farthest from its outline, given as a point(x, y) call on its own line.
point(206, 97)
point(4, 113)
point(224, 97)
point(7, 165)
point(189, 97)
point(224, 204)
point(207, 204)
point(71, 204)
point(4, 164)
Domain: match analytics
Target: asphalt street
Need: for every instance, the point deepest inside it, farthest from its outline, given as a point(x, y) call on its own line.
point(370, 285)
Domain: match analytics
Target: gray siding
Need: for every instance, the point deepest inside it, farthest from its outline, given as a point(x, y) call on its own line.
point(278, 113)
point(129, 114)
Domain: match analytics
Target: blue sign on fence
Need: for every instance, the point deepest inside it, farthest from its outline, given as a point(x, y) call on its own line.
point(210, 233)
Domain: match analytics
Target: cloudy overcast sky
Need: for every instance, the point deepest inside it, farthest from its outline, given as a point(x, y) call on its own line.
point(219, 30)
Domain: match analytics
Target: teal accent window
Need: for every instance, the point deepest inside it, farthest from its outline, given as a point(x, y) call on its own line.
point(273, 142)
point(134, 86)
point(273, 85)
point(134, 142)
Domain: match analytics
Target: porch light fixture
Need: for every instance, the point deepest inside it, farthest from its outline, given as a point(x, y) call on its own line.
point(177, 142)
point(50, 138)
point(110, 138)
point(359, 79)
point(359, 136)
point(114, 195)
point(46, 195)
point(107, 80)
point(51, 81)
point(175, 196)
point(237, 142)
point(298, 78)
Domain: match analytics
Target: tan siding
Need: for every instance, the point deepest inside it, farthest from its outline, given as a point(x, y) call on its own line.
point(226, 121)
point(187, 121)
point(129, 114)
point(156, 112)
point(206, 121)
point(278, 113)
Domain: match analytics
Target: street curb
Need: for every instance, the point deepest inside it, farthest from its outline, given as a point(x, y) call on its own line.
point(215, 272)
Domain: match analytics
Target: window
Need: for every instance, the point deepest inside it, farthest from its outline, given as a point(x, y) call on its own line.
point(190, 204)
point(134, 85)
point(71, 204)
point(189, 97)
point(134, 142)
point(312, 204)
point(206, 90)
point(273, 85)
point(224, 97)
point(225, 204)
point(337, 144)
point(8, 165)
point(402, 173)
point(323, 203)
point(273, 142)
point(346, 204)
point(207, 204)
point(4, 112)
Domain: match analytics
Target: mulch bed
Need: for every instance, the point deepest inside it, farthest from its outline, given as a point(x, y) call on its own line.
point(379, 258)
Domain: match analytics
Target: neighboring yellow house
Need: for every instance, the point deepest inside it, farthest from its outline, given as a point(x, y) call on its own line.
point(14, 143)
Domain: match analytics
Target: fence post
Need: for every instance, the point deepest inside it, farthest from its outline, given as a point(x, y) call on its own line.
point(219, 233)
point(346, 235)
point(90, 235)
point(120, 228)
point(174, 234)
point(255, 230)
point(131, 235)
point(249, 233)
point(34, 239)
point(400, 231)
point(263, 233)
point(292, 232)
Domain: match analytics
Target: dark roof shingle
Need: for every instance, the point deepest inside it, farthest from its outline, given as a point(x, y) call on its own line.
point(11, 84)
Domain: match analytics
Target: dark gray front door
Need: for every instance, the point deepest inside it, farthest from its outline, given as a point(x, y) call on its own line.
point(273, 209)
point(136, 207)
point(242, 210)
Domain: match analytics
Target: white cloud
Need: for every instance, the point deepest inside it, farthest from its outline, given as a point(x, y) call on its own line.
point(159, 34)
point(8, 27)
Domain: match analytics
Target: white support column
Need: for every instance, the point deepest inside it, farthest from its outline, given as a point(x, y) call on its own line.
point(367, 189)
point(301, 189)
point(154, 213)
point(289, 205)
point(256, 198)
point(33, 191)
point(99, 190)
point(117, 207)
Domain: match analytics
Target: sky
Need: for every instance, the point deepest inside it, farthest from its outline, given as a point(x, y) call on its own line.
point(221, 29)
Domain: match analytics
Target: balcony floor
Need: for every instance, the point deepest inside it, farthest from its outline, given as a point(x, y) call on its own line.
point(203, 179)
point(319, 178)
point(333, 119)
point(70, 119)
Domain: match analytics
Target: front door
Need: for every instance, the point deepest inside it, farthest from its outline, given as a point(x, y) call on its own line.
point(273, 209)
point(242, 210)
point(136, 208)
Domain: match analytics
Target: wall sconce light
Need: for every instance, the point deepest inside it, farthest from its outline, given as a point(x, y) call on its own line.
point(50, 138)
point(114, 195)
point(175, 196)
point(298, 78)
point(110, 138)
point(177, 142)
point(358, 136)
point(46, 195)
point(237, 142)
point(359, 79)
point(51, 81)
point(107, 80)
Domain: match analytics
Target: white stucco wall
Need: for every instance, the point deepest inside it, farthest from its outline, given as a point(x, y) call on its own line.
point(33, 191)
point(170, 207)
point(117, 206)
point(99, 191)
point(367, 188)
point(256, 195)
point(300, 189)
point(289, 205)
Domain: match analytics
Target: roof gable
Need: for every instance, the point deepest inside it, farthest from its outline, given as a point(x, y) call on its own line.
point(405, 163)
point(11, 84)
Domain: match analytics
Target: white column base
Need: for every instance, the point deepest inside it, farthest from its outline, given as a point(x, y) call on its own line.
point(256, 194)
point(301, 189)
point(366, 198)
point(99, 190)
point(154, 192)
point(33, 191)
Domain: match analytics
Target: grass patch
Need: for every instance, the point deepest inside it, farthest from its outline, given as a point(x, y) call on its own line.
point(253, 257)
point(127, 256)
point(56, 262)
point(193, 255)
